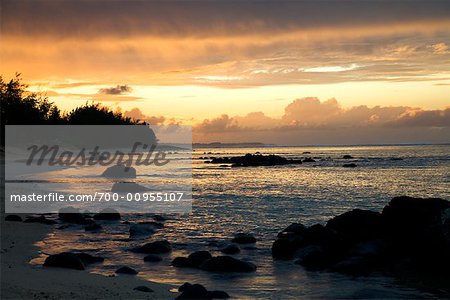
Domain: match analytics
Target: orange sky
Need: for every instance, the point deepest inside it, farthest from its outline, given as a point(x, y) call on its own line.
point(191, 62)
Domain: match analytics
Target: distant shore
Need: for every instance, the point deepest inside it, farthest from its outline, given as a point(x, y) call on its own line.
point(21, 280)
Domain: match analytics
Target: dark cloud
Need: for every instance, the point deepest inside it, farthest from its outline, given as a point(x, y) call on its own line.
point(67, 18)
point(118, 90)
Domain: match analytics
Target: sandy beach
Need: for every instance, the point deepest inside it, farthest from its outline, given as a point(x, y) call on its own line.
point(21, 280)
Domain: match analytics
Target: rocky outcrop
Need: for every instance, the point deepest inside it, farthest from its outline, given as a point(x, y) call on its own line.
point(254, 160)
point(410, 236)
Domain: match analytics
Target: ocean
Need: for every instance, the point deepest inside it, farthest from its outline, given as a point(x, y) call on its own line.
point(263, 201)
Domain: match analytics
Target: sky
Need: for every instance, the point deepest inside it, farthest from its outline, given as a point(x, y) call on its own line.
point(272, 71)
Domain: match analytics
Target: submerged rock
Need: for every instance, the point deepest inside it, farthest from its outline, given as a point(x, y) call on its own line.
point(197, 291)
point(230, 249)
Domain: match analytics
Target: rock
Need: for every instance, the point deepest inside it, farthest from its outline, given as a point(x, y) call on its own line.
point(184, 286)
point(347, 156)
point(71, 215)
point(93, 227)
point(119, 171)
point(143, 288)
point(13, 218)
point(357, 225)
point(227, 264)
point(141, 230)
point(230, 249)
point(283, 249)
point(152, 258)
point(128, 187)
point(182, 262)
point(194, 291)
point(157, 247)
point(253, 160)
point(352, 165)
point(244, 238)
point(107, 214)
point(159, 218)
point(126, 270)
point(313, 258)
point(295, 228)
point(40, 219)
point(64, 260)
point(198, 257)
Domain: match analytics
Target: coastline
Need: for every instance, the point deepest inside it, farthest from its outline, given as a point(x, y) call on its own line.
point(21, 280)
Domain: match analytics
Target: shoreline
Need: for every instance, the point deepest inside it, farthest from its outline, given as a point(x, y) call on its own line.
point(21, 280)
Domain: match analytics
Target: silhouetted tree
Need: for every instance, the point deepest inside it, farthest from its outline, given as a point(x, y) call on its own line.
point(95, 114)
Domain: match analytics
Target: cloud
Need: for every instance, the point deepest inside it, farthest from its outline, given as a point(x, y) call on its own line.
point(310, 121)
point(136, 113)
point(118, 90)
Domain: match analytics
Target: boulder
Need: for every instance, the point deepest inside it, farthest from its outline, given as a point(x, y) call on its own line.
point(107, 214)
point(244, 238)
point(194, 291)
point(152, 258)
point(227, 264)
point(283, 249)
point(141, 230)
point(357, 225)
point(182, 262)
point(128, 187)
point(199, 257)
point(13, 218)
point(64, 260)
point(157, 247)
point(126, 270)
point(119, 171)
point(296, 228)
point(347, 156)
point(230, 249)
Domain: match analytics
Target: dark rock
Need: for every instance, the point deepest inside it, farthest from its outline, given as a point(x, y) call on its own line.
point(93, 227)
point(194, 291)
point(157, 247)
point(227, 264)
point(126, 270)
point(143, 288)
point(128, 187)
point(230, 249)
point(107, 214)
point(198, 257)
point(347, 156)
point(244, 238)
point(141, 230)
point(357, 225)
point(14, 218)
point(152, 258)
point(182, 262)
point(119, 171)
point(352, 165)
point(295, 228)
point(184, 286)
point(40, 219)
point(283, 249)
point(315, 258)
point(71, 215)
point(64, 260)
point(254, 160)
